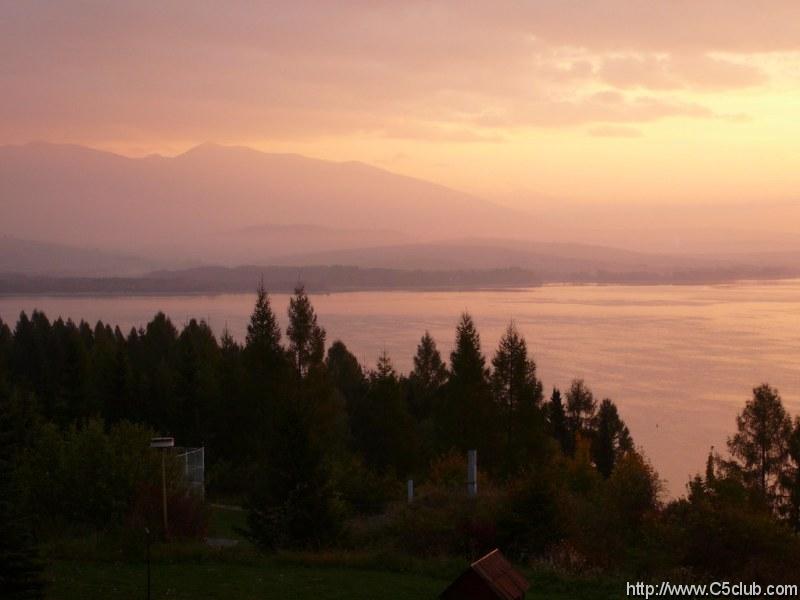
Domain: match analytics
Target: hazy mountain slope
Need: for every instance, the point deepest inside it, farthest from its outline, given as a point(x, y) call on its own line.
point(38, 258)
point(561, 261)
point(187, 206)
point(492, 253)
point(233, 206)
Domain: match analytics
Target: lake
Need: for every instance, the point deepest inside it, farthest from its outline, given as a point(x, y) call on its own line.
point(680, 361)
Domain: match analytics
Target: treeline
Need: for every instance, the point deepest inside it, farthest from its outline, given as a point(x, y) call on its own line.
point(226, 396)
point(279, 279)
point(315, 445)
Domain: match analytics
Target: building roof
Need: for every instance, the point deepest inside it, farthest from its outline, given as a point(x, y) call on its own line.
point(501, 576)
point(493, 573)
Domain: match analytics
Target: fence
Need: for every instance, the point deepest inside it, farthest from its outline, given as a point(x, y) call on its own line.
point(194, 468)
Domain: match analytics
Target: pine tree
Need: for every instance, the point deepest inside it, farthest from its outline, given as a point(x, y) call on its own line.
point(263, 342)
point(307, 339)
point(611, 438)
point(345, 373)
point(429, 369)
point(580, 410)
point(518, 393)
point(761, 444)
point(382, 429)
point(557, 419)
point(384, 369)
point(468, 416)
point(427, 377)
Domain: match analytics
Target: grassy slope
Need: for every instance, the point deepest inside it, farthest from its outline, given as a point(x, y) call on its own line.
point(233, 582)
point(83, 580)
point(84, 570)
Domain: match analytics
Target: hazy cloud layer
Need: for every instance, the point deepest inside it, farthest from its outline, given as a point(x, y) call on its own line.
point(456, 72)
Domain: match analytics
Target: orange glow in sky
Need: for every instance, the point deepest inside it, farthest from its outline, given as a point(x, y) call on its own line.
point(517, 101)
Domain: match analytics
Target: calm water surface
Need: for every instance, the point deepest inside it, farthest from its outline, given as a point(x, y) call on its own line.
point(679, 360)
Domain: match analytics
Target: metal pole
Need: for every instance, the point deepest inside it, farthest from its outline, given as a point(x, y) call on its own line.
point(147, 531)
point(164, 492)
point(472, 472)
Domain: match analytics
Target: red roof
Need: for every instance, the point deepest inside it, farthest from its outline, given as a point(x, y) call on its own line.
point(501, 576)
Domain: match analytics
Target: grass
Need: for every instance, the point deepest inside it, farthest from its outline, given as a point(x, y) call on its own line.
point(87, 568)
point(283, 577)
point(81, 580)
point(226, 521)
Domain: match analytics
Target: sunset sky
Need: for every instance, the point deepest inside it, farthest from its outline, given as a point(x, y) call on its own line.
point(677, 101)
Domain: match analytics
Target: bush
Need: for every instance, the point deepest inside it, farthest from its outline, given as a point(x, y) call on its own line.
point(187, 514)
point(86, 479)
point(719, 540)
point(291, 504)
point(530, 520)
point(444, 521)
point(362, 491)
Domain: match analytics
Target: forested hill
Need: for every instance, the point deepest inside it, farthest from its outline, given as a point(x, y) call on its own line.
point(276, 278)
point(335, 278)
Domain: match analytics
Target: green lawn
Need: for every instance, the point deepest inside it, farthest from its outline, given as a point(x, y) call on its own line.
point(84, 581)
point(224, 522)
point(72, 579)
point(85, 569)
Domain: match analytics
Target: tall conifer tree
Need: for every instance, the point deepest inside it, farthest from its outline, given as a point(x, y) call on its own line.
point(306, 337)
point(427, 377)
point(263, 342)
point(470, 415)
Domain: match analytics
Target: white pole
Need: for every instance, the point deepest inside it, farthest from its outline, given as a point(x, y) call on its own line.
point(472, 472)
point(410, 491)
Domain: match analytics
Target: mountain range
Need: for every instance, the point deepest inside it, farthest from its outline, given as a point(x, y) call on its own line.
point(68, 210)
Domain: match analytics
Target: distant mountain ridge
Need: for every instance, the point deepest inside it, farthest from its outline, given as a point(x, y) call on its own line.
point(45, 259)
point(96, 213)
point(185, 207)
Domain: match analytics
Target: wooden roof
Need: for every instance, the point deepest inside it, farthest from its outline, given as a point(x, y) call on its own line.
point(501, 576)
point(496, 574)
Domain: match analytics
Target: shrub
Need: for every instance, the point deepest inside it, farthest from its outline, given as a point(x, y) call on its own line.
point(86, 479)
point(530, 520)
point(444, 521)
point(187, 514)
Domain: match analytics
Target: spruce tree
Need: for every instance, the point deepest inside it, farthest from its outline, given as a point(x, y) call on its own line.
point(382, 429)
point(557, 419)
point(265, 375)
point(345, 373)
point(580, 410)
point(469, 417)
point(306, 337)
point(611, 438)
point(518, 393)
point(427, 377)
point(263, 342)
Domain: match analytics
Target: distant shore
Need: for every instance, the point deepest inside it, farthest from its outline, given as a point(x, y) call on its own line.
point(333, 279)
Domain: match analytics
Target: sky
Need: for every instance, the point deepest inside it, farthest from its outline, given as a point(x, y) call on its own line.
point(522, 102)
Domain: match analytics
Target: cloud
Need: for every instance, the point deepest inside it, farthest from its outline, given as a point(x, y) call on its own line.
point(665, 72)
point(614, 131)
point(608, 106)
point(199, 70)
